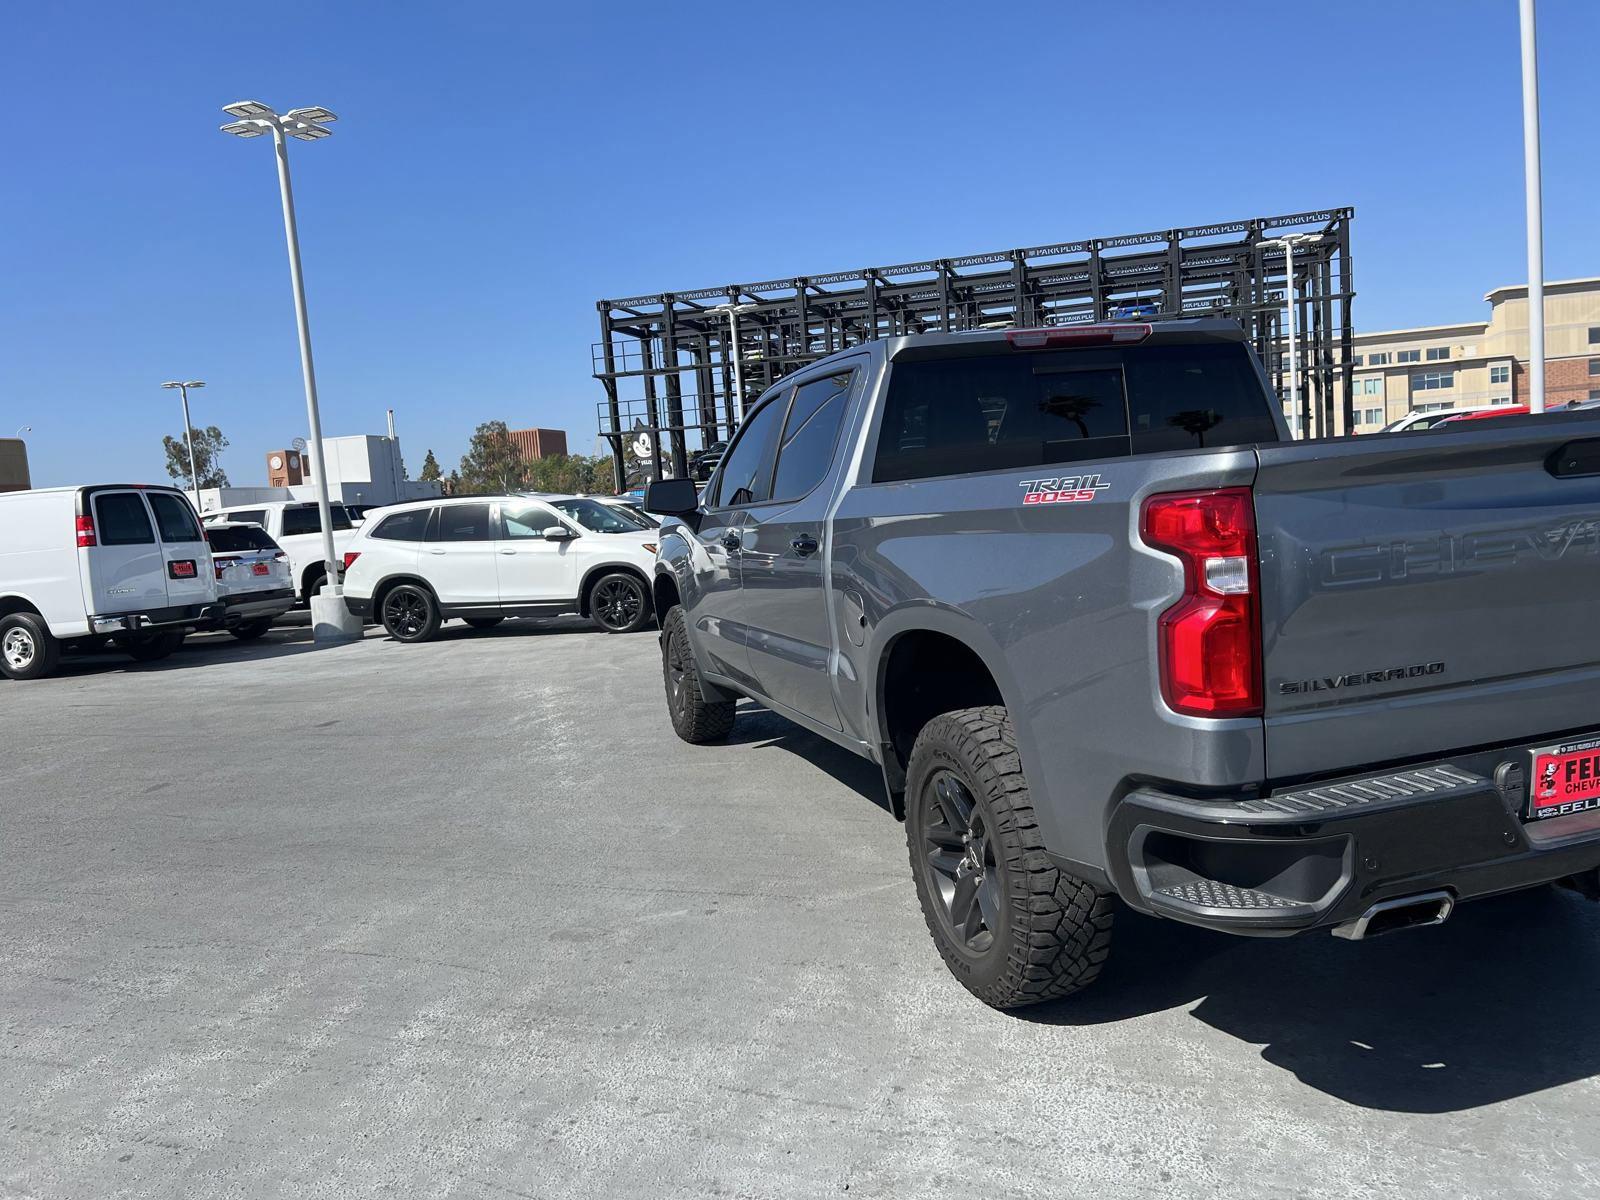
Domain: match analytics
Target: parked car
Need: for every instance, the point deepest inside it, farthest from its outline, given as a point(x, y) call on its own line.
point(296, 526)
point(624, 505)
point(254, 583)
point(1417, 421)
point(1479, 414)
point(1109, 633)
point(81, 564)
point(485, 558)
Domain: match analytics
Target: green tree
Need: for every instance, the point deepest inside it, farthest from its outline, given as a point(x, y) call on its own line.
point(430, 468)
point(208, 447)
point(492, 462)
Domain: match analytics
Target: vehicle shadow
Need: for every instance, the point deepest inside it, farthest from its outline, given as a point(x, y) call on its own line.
point(1492, 1005)
point(515, 628)
point(198, 650)
point(763, 729)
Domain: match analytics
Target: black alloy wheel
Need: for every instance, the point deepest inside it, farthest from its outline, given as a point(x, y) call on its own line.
point(409, 614)
point(960, 855)
point(618, 604)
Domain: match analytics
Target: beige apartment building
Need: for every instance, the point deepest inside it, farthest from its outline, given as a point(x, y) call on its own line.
point(1435, 367)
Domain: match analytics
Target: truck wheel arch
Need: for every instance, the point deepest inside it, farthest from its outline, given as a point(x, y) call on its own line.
point(932, 661)
point(664, 593)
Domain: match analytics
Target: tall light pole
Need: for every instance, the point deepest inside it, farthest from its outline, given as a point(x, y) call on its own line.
point(1289, 241)
point(22, 429)
point(733, 310)
point(1535, 202)
point(188, 431)
point(307, 125)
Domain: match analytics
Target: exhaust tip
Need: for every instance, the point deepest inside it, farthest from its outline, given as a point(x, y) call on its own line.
point(1403, 912)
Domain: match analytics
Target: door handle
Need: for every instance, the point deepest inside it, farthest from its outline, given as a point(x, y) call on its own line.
point(730, 541)
point(804, 545)
point(433, 551)
point(508, 550)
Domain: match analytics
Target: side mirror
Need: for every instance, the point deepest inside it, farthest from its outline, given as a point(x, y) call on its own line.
point(671, 498)
point(557, 533)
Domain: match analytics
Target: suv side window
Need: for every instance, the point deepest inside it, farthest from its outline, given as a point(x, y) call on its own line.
point(403, 527)
point(805, 452)
point(464, 523)
point(120, 519)
point(746, 473)
point(174, 518)
point(305, 518)
point(524, 520)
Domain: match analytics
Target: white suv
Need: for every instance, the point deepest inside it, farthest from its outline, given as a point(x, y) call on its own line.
point(296, 526)
point(485, 558)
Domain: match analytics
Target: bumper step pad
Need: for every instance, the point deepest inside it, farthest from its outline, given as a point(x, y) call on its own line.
point(1209, 893)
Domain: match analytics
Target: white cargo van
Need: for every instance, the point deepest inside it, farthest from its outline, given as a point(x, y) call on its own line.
point(79, 564)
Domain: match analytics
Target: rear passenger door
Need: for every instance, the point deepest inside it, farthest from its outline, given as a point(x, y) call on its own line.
point(458, 559)
point(783, 550)
point(190, 579)
point(126, 568)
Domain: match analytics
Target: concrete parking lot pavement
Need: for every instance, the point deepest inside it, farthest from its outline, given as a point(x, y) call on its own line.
point(465, 919)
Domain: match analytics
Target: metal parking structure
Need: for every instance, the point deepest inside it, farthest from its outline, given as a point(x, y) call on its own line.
point(673, 369)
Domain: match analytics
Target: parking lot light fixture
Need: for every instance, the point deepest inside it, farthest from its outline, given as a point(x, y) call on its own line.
point(253, 119)
point(188, 431)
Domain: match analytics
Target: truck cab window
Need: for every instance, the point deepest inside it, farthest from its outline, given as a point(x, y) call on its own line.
point(747, 470)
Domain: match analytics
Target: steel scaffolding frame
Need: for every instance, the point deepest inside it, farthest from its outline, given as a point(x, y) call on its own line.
point(666, 361)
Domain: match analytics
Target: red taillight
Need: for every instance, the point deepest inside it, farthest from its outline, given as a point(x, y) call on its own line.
point(350, 556)
point(86, 531)
point(1210, 640)
point(1077, 335)
point(221, 567)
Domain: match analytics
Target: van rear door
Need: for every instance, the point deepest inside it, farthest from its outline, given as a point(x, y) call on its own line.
point(124, 569)
point(190, 579)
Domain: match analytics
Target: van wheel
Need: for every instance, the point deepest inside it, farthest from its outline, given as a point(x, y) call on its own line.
point(249, 631)
point(484, 622)
point(27, 647)
point(409, 613)
point(694, 718)
point(151, 647)
point(618, 603)
point(1012, 926)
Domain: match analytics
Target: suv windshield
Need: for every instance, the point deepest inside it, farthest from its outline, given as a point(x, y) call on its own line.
point(600, 518)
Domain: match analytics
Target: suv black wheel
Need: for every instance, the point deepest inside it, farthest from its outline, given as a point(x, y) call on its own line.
point(618, 603)
point(484, 622)
point(150, 647)
point(694, 718)
point(409, 613)
point(1012, 926)
point(27, 647)
point(249, 631)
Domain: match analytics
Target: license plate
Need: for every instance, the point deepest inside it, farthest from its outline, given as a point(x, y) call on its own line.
point(260, 569)
point(1566, 779)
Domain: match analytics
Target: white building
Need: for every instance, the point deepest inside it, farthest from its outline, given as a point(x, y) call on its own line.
point(363, 469)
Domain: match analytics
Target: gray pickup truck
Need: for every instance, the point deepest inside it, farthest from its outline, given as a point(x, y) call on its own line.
point(1111, 634)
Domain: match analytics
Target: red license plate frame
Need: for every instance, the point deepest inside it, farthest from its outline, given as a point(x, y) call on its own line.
point(1564, 778)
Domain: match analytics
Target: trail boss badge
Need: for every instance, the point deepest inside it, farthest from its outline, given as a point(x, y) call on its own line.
point(1062, 489)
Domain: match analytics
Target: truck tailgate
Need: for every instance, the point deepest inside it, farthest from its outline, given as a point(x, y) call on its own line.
point(1424, 593)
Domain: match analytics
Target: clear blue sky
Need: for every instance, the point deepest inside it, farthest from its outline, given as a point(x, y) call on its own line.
point(498, 167)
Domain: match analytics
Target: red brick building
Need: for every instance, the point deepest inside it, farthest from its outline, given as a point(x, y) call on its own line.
point(538, 443)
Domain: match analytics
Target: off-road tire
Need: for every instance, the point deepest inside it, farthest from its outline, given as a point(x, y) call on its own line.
point(151, 647)
point(1053, 930)
point(694, 718)
point(31, 643)
point(249, 631)
point(483, 622)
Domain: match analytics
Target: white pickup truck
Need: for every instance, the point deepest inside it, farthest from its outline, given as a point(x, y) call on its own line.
point(296, 527)
point(79, 564)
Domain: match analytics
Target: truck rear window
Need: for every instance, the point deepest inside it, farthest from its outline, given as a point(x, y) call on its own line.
point(952, 416)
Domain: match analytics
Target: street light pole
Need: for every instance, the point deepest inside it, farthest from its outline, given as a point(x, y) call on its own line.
point(1535, 204)
point(733, 310)
point(188, 432)
point(1288, 242)
point(307, 125)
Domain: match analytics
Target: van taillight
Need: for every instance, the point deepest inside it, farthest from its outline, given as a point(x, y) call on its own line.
point(1210, 640)
point(86, 531)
